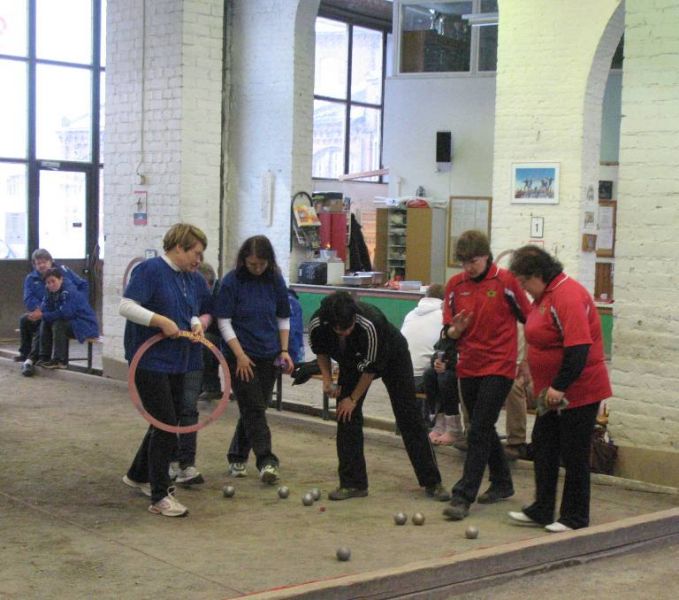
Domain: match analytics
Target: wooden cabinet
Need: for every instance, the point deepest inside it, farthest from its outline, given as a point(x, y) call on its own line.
point(411, 243)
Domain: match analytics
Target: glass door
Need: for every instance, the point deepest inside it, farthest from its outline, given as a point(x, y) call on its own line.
point(62, 201)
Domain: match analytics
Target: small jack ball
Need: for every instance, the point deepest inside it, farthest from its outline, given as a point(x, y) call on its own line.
point(283, 492)
point(307, 499)
point(418, 518)
point(400, 518)
point(343, 553)
point(472, 532)
point(228, 491)
point(315, 494)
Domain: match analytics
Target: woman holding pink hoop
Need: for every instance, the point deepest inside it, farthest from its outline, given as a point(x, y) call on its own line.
point(167, 294)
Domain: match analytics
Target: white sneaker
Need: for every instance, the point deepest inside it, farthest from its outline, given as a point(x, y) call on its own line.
point(557, 527)
point(521, 518)
point(238, 469)
point(169, 506)
point(144, 488)
point(189, 476)
point(269, 474)
point(174, 470)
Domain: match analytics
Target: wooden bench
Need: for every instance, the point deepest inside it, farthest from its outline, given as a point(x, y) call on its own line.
point(88, 359)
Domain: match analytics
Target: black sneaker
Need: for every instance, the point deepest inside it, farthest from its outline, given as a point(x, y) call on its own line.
point(346, 493)
point(19, 358)
point(54, 364)
point(494, 494)
point(457, 510)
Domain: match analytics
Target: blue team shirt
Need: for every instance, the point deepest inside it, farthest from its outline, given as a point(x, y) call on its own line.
point(70, 305)
point(254, 303)
point(177, 295)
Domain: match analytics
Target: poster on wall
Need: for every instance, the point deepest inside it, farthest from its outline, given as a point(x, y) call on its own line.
point(535, 183)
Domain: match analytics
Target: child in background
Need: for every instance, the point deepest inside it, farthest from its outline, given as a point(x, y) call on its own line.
point(67, 313)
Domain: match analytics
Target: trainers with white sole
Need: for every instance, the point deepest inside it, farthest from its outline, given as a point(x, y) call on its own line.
point(189, 476)
point(269, 474)
point(557, 527)
point(238, 469)
point(521, 518)
point(169, 506)
point(143, 487)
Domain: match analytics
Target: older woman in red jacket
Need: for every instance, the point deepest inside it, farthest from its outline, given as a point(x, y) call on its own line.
point(566, 359)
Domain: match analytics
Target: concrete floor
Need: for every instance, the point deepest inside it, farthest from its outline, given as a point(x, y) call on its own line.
point(70, 529)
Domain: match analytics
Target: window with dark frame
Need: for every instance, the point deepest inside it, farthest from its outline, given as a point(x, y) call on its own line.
point(52, 57)
point(350, 67)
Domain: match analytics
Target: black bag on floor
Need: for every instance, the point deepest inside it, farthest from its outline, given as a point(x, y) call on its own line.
point(603, 453)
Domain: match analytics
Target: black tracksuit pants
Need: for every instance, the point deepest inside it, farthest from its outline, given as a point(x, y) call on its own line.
point(398, 379)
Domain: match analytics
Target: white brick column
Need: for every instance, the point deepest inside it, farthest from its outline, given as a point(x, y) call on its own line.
point(163, 120)
point(270, 117)
point(646, 336)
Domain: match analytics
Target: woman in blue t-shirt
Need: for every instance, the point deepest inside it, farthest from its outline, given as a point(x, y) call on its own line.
point(164, 293)
point(253, 313)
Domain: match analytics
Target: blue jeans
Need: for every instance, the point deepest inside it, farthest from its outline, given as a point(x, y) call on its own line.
point(483, 397)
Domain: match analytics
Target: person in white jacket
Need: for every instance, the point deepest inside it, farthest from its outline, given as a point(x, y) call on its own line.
point(422, 328)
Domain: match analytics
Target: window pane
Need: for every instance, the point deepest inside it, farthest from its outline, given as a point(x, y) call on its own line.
point(488, 6)
point(328, 149)
point(13, 221)
point(102, 114)
point(332, 54)
point(365, 138)
point(435, 39)
point(13, 27)
point(64, 30)
point(102, 47)
point(366, 66)
point(13, 109)
point(488, 48)
point(101, 238)
point(64, 122)
point(62, 213)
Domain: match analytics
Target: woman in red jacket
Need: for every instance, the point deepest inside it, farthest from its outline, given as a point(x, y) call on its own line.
point(566, 358)
point(481, 308)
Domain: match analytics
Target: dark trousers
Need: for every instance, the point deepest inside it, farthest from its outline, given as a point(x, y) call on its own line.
point(56, 334)
point(563, 437)
point(483, 397)
point(252, 430)
point(188, 415)
point(441, 391)
point(30, 345)
point(398, 379)
point(161, 395)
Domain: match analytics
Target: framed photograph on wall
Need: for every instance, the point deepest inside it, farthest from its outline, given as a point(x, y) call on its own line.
point(464, 213)
point(535, 183)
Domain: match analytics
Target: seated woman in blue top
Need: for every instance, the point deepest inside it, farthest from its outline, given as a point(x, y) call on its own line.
point(253, 313)
point(164, 294)
point(68, 314)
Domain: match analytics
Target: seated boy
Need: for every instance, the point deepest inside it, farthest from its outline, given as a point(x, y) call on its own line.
point(68, 314)
point(29, 323)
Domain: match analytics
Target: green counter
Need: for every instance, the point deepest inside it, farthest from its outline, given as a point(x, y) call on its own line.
point(394, 304)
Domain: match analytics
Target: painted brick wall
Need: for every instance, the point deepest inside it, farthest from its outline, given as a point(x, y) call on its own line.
point(163, 120)
point(548, 108)
point(646, 341)
point(270, 117)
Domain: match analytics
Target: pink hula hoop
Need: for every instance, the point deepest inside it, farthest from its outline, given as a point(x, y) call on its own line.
point(134, 392)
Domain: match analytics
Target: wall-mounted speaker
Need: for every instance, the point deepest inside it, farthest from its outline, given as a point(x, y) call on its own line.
point(444, 147)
